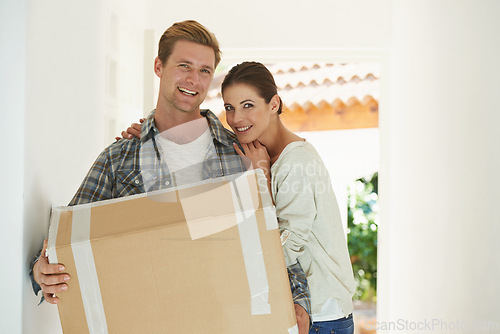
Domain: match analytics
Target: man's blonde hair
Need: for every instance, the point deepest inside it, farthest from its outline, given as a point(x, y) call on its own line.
point(189, 30)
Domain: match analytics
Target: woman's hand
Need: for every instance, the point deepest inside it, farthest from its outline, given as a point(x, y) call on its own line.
point(255, 156)
point(302, 319)
point(133, 130)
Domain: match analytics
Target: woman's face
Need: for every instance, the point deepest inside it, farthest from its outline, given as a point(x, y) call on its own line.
point(247, 113)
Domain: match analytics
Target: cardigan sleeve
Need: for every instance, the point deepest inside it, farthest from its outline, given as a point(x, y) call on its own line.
point(294, 196)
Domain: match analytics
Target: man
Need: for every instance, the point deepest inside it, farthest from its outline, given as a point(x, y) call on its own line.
point(193, 146)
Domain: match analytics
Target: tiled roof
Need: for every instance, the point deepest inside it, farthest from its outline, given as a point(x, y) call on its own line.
point(306, 83)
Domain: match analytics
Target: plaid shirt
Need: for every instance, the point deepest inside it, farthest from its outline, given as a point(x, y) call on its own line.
point(134, 166)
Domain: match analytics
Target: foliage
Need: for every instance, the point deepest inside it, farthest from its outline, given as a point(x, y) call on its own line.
point(362, 223)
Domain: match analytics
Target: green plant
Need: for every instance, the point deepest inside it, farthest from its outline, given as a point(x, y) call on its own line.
point(362, 224)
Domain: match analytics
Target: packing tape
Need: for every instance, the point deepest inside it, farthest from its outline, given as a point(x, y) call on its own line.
point(251, 246)
point(267, 203)
point(271, 217)
point(87, 273)
point(51, 243)
point(294, 330)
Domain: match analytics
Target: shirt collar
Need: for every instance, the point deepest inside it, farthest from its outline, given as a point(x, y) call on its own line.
point(219, 132)
point(149, 128)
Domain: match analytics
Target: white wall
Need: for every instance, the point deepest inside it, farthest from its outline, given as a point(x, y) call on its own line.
point(63, 122)
point(63, 119)
point(274, 24)
point(438, 245)
point(12, 102)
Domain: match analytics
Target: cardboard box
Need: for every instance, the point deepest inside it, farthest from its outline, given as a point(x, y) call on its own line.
point(200, 259)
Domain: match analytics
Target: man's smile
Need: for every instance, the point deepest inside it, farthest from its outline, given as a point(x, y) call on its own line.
point(187, 91)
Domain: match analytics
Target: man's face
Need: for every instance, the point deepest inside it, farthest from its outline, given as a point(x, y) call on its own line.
point(186, 77)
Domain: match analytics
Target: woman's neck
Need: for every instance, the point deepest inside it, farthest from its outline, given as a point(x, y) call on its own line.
point(276, 138)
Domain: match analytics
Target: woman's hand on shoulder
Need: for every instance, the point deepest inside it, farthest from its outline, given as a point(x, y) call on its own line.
point(134, 130)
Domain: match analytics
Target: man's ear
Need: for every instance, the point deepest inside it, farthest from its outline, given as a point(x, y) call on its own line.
point(158, 67)
point(275, 103)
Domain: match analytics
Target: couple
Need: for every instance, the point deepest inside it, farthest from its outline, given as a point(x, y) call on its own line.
point(187, 57)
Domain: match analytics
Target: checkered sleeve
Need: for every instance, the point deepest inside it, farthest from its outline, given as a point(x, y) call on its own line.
point(98, 184)
point(34, 284)
point(300, 289)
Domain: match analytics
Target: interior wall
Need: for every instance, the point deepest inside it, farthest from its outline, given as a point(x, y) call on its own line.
point(439, 181)
point(83, 70)
point(12, 102)
point(64, 128)
point(276, 24)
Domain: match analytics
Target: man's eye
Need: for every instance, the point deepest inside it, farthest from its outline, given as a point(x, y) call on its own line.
point(205, 71)
point(184, 66)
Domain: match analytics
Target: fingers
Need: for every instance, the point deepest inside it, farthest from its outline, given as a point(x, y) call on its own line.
point(50, 269)
point(46, 268)
point(135, 130)
point(252, 145)
point(52, 285)
point(237, 149)
point(259, 145)
point(51, 298)
point(54, 279)
point(126, 135)
point(50, 277)
point(45, 245)
point(246, 161)
point(52, 289)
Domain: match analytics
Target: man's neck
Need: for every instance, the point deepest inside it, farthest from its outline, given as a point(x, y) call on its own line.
point(180, 127)
point(165, 120)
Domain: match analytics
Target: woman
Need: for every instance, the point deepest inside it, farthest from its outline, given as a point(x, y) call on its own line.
point(301, 190)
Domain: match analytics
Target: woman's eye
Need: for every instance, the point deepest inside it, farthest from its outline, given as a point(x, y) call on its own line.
point(228, 108)
point(247, 105)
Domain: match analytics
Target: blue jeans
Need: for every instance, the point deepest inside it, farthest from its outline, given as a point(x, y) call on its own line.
point(339, 326)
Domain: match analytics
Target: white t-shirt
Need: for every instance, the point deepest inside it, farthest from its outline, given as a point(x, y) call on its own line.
point(185, 161)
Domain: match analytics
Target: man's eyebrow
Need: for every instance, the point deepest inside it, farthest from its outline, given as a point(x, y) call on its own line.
point(209, 67)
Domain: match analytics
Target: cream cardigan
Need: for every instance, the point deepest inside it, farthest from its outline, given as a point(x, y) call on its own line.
point(306, 206)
